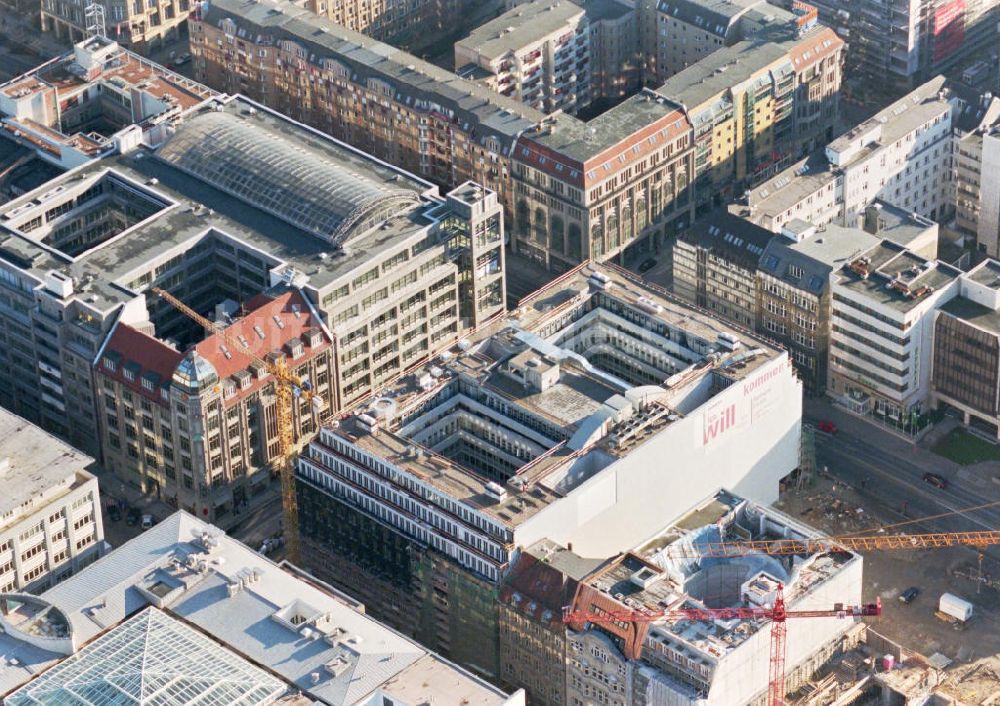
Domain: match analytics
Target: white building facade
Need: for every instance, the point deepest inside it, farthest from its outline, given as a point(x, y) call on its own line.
point(902, 156)
point(51, 525)
point(881, 338)
point(988, 225)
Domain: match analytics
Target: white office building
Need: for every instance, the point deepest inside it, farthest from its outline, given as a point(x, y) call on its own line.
point(50, 508)
point(902, 156)
point(883, 311)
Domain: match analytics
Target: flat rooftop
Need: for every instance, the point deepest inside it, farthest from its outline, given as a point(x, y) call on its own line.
point(986, 273)
point(580, 141)
point(270, 212)
point(568, 410)
point(38, 464)
point(973, 313)
point(459, 482)
point(307, 636)
point(127, 68)
point(897, 277)
point(521, 27)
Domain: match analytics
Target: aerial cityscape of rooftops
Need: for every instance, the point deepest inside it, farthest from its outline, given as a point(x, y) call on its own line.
point(500, 352)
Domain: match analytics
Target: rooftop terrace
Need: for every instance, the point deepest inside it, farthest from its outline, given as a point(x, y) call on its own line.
point(57, 104)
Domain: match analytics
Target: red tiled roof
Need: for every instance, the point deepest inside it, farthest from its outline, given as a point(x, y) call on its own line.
point(295, 316)
point(541, 587)
point(289, 309)
point(818, 45)
point(150, 354)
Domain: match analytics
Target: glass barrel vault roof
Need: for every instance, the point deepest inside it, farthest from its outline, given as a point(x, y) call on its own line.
point(278, 175)
point(151, 660)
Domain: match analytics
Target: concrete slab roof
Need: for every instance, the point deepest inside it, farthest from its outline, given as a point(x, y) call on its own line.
point(520, 27)
point(37, 464)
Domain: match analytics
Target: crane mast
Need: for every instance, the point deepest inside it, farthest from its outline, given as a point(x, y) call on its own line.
point(777, 613)
point(287, 388)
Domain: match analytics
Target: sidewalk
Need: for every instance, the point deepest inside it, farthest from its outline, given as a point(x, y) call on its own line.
point(919, 454)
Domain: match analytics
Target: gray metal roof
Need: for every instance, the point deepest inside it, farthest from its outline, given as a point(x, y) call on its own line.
point(720, 231)
point(715, 16)
point(807, 265)
point(721, 70)
point(310, 637)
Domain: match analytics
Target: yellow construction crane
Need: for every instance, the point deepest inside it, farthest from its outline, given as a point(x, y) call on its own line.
point(287, 388)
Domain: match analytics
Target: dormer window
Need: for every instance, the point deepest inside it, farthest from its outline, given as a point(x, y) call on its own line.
point(243, 378)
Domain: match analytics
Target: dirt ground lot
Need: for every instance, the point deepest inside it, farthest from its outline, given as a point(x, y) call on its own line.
point(834, 509)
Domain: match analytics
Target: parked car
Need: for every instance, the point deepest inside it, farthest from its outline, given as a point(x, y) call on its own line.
point(147, 521)
point(827, 427)
point(114, 513)
point(133, 517)
point(647, 265)
point(936, 480)
point(182, 59)
point(909, 594)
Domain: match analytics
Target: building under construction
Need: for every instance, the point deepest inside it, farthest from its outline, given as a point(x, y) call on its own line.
point(588, 415)
point(285, 238)
point(680, 661)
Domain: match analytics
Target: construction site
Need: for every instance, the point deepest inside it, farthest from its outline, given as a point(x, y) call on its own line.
point(913, 653)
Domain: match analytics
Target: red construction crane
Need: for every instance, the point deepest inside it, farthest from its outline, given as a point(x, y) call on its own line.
point(777, 614)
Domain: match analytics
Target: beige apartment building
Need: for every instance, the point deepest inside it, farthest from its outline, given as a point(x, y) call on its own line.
point(537, 53)
point(388, 18)
point(376, 98)
point(141, 25)
point(591, 190)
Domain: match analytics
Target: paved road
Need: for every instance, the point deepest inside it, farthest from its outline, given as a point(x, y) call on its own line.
point(888, 470)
